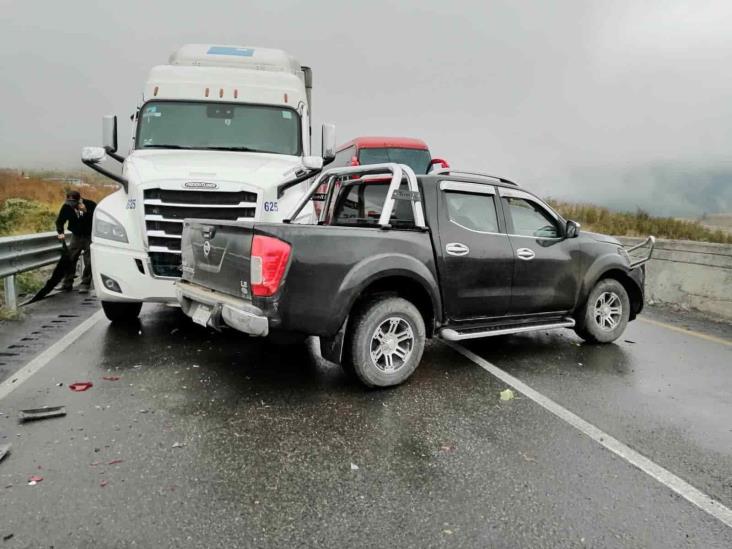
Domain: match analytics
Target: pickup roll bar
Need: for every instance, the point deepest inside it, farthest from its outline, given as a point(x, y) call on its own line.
point(397, 172)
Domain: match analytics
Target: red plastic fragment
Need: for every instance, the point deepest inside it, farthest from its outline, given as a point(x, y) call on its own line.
point(111, 378)
point(115, 461)
point(81, 386)
point(35, 478)
point(103, 483)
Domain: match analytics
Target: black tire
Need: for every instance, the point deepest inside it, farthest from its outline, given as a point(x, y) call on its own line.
point(598, 321)
point(402, 332)
point(121, 311)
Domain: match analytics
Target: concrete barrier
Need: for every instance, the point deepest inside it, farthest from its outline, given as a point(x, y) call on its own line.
point(694, 275)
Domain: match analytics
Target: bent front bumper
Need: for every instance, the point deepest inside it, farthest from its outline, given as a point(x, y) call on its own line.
point(221, 309)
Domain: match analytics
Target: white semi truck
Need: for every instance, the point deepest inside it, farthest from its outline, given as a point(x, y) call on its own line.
point(222, 132)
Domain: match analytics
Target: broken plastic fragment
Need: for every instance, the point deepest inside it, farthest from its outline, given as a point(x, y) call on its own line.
point(507, 394)
point(81, 386)
point(103, 483)
point(110, 378)
point(4, 450)
point(354, 467)
point(34, 479)
point(41, 413)
point(178, 445)
point(115, 461)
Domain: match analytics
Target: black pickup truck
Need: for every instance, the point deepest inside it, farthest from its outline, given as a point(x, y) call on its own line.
point(395, 258)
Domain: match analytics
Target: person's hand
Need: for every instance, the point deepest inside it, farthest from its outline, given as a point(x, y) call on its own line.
point(62, 237)
point(81, 207)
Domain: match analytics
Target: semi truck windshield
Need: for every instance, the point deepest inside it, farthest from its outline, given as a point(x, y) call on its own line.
point(218, 126)
point(417, 159)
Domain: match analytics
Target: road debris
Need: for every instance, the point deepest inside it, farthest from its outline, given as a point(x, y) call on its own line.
point(507, 394)
point(447, 448)
point(111, 378)
point(629, 341)
point(178, 445)
point(80, 386)
point(115, 461)
point(41, 413)
point(354, 467)
point(34, 479)
point(103, 483)
point(7, 537)
point(4, 450)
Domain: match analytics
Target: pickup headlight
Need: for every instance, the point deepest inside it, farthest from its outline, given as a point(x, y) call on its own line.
point(106, 226)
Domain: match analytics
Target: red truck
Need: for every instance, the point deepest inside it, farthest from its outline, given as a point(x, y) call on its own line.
point(379, 150)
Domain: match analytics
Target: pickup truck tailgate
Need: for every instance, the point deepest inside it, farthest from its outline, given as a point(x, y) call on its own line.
point(216, 255)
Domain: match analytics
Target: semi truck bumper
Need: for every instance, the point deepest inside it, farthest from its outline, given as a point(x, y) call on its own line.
point(124, 275)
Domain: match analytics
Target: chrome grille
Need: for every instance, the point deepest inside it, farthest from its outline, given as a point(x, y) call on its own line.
point(165, 210)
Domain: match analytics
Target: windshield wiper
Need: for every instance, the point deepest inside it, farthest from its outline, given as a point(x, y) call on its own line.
point(237, 149)
point(165, 147)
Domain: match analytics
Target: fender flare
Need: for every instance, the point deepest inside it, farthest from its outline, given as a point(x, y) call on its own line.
point(380, 266)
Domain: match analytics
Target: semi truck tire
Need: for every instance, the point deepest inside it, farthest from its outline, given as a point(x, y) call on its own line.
point(386, 342)
point(604, 316)
point(118, 311)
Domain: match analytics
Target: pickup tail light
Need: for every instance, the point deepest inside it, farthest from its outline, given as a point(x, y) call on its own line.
point(269, 263)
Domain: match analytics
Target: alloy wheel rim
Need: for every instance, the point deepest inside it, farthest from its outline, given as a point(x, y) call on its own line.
point(608, 311)
point(391, 344)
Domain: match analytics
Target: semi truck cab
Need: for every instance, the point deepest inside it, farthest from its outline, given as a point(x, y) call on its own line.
point(222, 132)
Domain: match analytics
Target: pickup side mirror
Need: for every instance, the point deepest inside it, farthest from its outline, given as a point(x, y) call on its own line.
point(572, 229)
point(328, 143)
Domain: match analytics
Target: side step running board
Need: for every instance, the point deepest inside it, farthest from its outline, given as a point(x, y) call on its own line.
point(453, 335)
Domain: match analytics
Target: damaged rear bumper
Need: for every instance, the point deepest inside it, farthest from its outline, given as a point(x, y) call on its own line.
point(215, 309)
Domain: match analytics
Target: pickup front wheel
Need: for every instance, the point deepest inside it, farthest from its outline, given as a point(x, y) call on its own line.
point(386, 342)
point(604, 316)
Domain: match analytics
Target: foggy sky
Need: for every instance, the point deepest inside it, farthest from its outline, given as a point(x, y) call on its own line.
point(567, 97)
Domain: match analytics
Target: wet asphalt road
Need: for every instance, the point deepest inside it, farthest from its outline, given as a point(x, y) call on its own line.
point(232, 442)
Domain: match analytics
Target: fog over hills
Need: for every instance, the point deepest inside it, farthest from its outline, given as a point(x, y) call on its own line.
point(663, 189)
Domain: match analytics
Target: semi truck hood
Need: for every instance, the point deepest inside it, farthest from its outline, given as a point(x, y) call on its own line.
point(252, 168)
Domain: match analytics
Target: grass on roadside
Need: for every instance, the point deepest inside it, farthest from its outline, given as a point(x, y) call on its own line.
point(640, 223)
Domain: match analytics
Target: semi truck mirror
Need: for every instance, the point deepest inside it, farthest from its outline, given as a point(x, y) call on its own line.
point(328, 144)
point(92, 155)
point(312, 162)
point(109, 133)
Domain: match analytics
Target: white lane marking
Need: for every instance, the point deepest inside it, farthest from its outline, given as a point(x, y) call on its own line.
point(15, 380)
point(664, 476)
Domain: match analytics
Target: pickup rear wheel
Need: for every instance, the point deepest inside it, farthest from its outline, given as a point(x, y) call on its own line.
point(120, 311)
point(604, 315)
point(386, 342)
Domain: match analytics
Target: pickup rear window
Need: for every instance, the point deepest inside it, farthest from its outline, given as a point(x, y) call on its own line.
point(360, 204)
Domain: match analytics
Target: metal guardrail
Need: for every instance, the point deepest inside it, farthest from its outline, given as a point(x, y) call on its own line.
point(22, 253)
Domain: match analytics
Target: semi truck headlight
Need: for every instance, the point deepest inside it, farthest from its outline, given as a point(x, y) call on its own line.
point(106, 226)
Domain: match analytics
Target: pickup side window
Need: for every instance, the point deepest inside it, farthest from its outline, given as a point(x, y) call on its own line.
point(530, 219)
point(475, 212)
point(360, 204)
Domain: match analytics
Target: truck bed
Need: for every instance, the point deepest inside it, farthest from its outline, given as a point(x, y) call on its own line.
point(328, 267)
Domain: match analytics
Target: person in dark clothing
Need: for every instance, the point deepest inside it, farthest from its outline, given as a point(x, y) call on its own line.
point(78, 214)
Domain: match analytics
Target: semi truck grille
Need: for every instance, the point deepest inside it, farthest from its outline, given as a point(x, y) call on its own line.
point(166, 209)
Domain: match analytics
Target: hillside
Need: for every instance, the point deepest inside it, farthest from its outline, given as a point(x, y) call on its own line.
point(29, 203)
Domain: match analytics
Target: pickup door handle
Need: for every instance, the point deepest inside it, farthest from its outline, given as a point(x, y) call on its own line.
point(456, 248)
point(525, 253)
